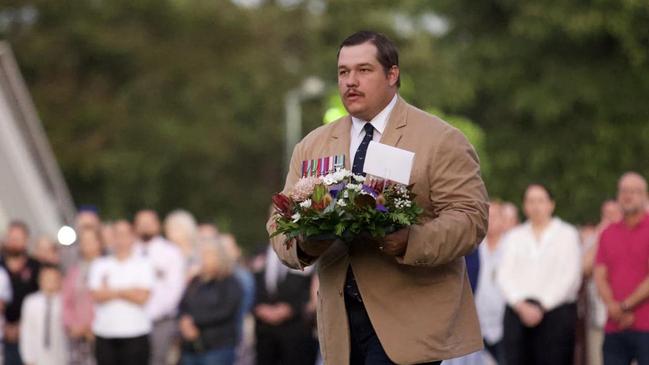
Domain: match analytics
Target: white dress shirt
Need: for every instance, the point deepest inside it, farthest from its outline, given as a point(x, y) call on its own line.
point(5, 295)
point(169, 285)
point(379, 122)
point(36, 346)
point(489, 300)
point(119, 318)
point(548, 270)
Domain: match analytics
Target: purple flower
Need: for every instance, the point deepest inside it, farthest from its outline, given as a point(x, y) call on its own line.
point(335, 189)
point(381, 208)
point(369, 190)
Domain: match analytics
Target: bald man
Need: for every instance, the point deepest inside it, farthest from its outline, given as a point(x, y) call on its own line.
point(622, 276)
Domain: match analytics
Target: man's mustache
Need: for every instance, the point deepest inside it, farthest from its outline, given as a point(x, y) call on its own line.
point(353, 91)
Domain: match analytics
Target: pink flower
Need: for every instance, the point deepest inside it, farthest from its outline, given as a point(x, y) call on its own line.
point(304, 188)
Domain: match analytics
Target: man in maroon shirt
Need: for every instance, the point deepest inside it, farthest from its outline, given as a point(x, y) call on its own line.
point(622, 276)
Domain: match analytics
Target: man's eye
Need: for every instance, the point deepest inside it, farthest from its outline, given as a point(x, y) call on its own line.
point(365, 70)
point(343, 72)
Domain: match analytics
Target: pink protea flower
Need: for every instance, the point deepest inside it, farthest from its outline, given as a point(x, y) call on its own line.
point(304, 188)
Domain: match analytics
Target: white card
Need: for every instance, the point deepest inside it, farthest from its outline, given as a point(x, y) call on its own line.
point(388, 162)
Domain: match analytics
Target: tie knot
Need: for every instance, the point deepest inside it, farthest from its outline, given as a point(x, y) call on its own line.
point(369, 128)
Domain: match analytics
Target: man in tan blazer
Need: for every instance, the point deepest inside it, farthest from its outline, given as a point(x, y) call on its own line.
point(406, 299)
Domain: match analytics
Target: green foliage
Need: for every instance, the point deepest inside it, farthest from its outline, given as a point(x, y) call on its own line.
point(170, 103)
point(349, 212)
point(558, 89)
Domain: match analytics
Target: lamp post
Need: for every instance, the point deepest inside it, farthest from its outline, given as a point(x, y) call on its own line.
point(311, 87)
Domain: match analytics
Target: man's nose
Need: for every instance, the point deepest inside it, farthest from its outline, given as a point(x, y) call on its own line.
point(352, 79)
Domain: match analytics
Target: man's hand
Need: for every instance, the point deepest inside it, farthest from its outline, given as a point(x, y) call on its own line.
point(626, 320)
point(314, 247)
point(188, 329)
point(530, 314)
point(274, 314)
point(615, 311)
point(76, 332)
point(395, 244)
point(11, 332)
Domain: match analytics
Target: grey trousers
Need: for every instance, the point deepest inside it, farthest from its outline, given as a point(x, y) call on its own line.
point(162, 338)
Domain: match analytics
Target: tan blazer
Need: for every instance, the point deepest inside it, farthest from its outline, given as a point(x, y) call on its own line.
point(420, 305)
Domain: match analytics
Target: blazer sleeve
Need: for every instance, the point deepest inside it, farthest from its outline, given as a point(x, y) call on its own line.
point(459, 202)
point(288, 252)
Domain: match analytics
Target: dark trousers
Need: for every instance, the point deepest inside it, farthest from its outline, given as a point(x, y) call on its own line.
point(122, 351)
point(366, 349)
point(287, 344)
point(551, 342)
point(623, 347)
point(496, 351)
point(11, 354)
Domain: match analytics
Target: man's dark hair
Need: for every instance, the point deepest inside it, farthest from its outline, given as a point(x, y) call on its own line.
point(19, 225)
point(386, 51)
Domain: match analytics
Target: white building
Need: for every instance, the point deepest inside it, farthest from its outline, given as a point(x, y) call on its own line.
point(32, 187)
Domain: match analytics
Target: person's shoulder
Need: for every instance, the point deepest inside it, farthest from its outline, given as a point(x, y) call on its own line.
point(140, 261)
point(171, 249)
point(102, 261)
point(325, 131)
point(425, 121)
point(33, 298)
point(516, 232)
point(567, 228)
point(609, 233)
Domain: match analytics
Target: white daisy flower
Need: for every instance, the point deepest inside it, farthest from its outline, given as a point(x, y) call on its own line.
point(306, 204)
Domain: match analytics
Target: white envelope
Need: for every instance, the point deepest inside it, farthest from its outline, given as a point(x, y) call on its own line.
point(388, 162)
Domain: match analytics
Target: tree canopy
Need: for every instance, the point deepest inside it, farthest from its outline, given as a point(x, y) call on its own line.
point(169, 103)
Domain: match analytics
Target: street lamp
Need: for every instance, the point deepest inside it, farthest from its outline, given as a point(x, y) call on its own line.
point(311, 87)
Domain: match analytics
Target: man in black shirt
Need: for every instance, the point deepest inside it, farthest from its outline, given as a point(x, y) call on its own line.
point(23, 274)
point(284, 328)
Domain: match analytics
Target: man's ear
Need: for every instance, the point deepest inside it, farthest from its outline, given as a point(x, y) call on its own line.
point(393, 75)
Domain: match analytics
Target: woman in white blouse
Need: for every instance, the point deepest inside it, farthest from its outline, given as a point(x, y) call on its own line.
point(540, 275)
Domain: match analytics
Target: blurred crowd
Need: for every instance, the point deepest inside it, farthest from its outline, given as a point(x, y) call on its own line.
point(548, 292)
point(177, 291)
point(152, 292)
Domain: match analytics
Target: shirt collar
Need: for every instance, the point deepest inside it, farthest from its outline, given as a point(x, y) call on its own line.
point(378, 122)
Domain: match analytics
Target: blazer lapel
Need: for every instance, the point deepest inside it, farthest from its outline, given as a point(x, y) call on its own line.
point(398, 120)
point(340, 139)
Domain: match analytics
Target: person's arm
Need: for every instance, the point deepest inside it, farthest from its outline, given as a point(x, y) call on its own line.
point(588, 262)
point(459, 199)
point(97, 278)
point(104, 294)
point(604, 289)
point(506, 272)
point(639, 295)
point(295, 254)
point(134, 295)
point(600, 275)
point(140, 291)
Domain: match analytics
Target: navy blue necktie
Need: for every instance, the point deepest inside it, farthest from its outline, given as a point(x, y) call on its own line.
point(359, 157)
point(351, 288)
